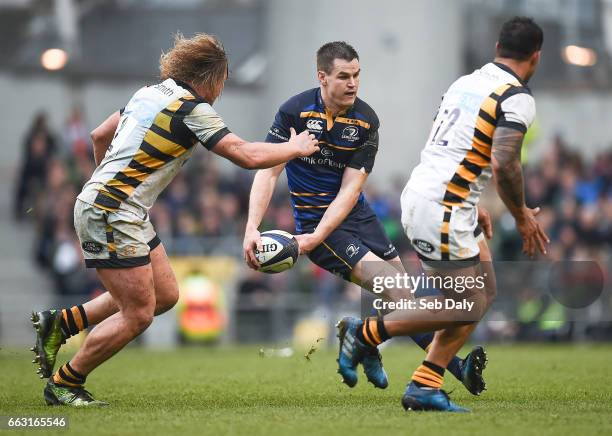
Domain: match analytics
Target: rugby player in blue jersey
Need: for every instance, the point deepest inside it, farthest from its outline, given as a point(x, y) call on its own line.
point(335, 225)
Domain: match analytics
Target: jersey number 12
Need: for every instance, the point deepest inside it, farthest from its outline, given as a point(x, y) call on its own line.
point(447, 122)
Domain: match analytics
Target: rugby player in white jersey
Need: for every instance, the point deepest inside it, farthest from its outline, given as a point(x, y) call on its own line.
point(477, 133)
point(138, 151)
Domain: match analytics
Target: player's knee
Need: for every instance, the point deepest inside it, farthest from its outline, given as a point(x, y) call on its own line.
point(143, 321)
point(140, 319)
point(166, 299)
point(172, 298)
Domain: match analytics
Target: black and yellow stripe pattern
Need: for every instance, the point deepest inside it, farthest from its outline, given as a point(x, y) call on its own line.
point(353, 121)
point(330, 120)
point(67, 376)
point(444, 233)
point(370, 332)
point(110, 242)
point(337, 147)
point(311, 194)
point(425, 376)
point(479, 156)
point(313, 114)
point(310, 206)
point(74, 320)
point(167, 139)
point(308, 197)
point(323, 116)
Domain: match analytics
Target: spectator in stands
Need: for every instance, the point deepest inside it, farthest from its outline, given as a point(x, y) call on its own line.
point(39, 145)
point(76, 141)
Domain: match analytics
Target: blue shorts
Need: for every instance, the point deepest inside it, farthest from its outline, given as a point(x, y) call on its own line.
point(358, 234)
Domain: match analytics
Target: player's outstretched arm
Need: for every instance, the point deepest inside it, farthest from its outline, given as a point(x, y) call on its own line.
point(260, 155)
point(102, 136)
point(352, 183)
point(508, 174)
point(259, 200)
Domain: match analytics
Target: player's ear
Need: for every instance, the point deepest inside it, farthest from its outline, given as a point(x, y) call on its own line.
point(322, 77)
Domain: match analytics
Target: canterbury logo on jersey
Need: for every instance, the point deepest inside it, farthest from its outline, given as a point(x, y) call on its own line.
point(316, 125)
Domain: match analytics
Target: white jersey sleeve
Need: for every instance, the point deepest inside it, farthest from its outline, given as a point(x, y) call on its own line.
point(517, 111)
point(206, 124)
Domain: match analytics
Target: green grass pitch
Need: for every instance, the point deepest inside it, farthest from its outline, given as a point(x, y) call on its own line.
point(533, 390)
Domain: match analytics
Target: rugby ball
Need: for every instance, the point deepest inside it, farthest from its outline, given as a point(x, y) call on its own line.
point(279, 251)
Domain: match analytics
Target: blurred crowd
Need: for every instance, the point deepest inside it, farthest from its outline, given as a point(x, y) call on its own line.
point(203, 211)
point(53, 169)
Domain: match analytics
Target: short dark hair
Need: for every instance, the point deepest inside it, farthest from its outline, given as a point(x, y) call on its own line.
point(519, 38)
point(334, 50)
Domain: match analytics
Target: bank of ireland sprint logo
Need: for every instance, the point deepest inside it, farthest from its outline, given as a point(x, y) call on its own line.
point(350, 133)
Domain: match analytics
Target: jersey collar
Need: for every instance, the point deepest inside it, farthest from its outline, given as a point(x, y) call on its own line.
point(187, 87)
point(328, 116)
point(510, 71)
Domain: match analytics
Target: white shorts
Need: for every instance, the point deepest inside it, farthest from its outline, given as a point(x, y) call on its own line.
point(118, 239)
point(439, 232)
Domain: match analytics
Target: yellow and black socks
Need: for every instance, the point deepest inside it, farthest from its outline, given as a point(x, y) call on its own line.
point(73, 321)
point(428, 375)
point(67, 376)
point(373, 332)
point(423, 340)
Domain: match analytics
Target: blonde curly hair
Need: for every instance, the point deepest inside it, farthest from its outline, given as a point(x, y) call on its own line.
point(199, 61)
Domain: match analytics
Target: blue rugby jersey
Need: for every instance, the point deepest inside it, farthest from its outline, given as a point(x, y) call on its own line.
point(348, 140)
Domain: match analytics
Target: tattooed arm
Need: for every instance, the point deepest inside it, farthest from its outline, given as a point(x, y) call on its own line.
point(507, 169)
point(508, 174)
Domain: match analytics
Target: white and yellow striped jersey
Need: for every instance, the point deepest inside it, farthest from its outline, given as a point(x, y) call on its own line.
point(456, 161)
point(157, 132)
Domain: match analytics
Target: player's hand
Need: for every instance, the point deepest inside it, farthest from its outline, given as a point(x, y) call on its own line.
point(305, 142)
point(307, 242)
point(252, 242)
point(484, 221)
point(533, 236)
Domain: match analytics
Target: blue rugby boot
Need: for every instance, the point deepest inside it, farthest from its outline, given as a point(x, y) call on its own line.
point(471, 370)
point(428, 399)
point(348, 358)
point(352, 352)
point(373, 367)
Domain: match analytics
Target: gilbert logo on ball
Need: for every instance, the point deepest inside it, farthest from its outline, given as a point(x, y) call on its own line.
point(279, 251)
point(268, 248)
